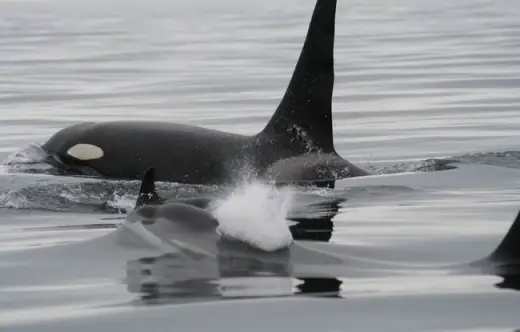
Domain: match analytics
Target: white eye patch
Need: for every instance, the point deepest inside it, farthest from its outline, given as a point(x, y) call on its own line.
point(85, 152)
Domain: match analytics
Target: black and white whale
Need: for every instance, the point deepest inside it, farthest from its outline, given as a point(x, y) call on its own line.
point(196, 258)
point(297, 141)
point(192, 232)
point(195, 255)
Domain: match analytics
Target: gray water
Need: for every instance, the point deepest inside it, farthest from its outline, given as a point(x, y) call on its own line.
point(415, 81)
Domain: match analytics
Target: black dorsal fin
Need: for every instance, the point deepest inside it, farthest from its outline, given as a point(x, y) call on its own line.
point(305, 109)
point(147, 193)
point(509, 248)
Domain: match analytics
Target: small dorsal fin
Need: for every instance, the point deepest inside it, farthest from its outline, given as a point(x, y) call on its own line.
point(509, 248)
point(147, 192)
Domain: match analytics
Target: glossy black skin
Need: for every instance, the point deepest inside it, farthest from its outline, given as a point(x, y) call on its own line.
point(301, 125)
point(180, 153)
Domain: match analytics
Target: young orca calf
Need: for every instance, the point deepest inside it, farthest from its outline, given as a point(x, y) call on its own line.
point(301, 126)
point(188, 227)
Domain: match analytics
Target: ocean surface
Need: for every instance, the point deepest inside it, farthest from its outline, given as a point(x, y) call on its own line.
point(427, 97)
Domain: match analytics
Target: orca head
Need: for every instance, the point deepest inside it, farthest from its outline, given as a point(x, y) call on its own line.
point(73, 145)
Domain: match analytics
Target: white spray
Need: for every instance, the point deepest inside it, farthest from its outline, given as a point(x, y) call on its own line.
point(256, 214)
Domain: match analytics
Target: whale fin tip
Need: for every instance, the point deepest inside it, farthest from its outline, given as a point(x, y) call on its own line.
point(147, 192)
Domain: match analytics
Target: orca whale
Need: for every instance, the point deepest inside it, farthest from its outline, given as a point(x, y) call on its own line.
point(205, 257)
point(300, 127)
point(192, 232)
point(196, 258)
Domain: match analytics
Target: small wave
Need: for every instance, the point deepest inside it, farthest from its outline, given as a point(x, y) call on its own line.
point(427, 165)
point(65, 198)
point(75, 194)
point(508, 159)
point(31, 154)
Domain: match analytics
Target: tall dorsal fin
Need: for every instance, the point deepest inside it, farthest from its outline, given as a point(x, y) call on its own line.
point(147, 193)
point(305, 109)
point(509, 248)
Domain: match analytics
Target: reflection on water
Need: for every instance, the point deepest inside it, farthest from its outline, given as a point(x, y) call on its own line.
point(234, 275)
point(239, 270)
point(316, 226)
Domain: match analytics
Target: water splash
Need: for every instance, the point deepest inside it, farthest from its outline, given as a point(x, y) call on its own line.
point(12, 200)
point(256, 213)
point(122, 202)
